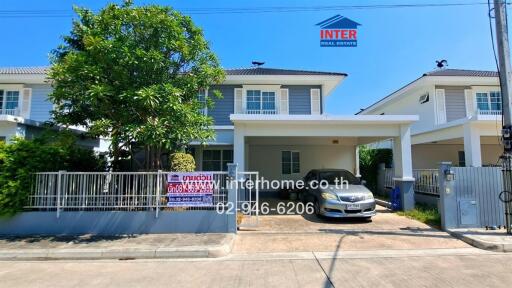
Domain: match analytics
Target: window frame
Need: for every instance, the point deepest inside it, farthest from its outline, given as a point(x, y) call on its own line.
point(222, 161)
point(290, 163)
point(488, 102)
point(203, 110)
point(5, 90)
point(261, 109)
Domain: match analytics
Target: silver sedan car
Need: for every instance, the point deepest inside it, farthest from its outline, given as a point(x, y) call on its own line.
point(338, 193)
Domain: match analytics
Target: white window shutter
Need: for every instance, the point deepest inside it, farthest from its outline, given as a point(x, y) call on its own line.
point(26, 100)
point(238, 101)
point(470, 104)
point(284, 102)
point(440, 106)
point(315, 101)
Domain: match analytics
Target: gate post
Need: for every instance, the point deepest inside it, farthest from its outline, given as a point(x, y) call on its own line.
point(59, 190)
point(381, 174)
point(158, 193)
point(448, 196)
point(232, 183)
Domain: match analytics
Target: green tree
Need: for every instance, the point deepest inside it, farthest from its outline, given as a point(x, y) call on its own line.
point(133, 74)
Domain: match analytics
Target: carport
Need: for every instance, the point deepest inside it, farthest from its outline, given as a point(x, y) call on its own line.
point(323, 141)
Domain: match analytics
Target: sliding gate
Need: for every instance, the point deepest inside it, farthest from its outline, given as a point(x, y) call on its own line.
point(247, 199)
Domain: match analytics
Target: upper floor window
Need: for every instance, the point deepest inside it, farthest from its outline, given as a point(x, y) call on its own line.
point(490, 101)
point(201, 97)
point(9, 102)
point(261, 102)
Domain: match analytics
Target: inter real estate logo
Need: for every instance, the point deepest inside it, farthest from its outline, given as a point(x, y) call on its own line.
point(338, 31)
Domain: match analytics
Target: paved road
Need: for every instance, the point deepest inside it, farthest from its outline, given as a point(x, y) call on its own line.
point(461, 267)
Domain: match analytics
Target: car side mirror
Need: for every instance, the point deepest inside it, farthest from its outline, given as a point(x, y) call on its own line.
point(363, 182)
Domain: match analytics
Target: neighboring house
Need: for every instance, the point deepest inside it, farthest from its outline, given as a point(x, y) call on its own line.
point(24, 105)
point(273, 121)
point(460, 117)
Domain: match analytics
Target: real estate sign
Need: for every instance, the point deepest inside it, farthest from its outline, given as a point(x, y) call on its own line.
point(190, 189)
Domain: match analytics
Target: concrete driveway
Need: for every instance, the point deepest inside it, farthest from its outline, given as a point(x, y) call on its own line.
point(298, 233)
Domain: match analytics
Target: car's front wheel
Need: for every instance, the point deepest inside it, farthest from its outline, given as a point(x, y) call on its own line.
point(317, 207)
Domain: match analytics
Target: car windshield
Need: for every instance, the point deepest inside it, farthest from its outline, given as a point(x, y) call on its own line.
point(341, 175)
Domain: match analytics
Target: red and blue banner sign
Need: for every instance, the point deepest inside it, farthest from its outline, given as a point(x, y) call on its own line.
point(190, 189)
point(338, 31)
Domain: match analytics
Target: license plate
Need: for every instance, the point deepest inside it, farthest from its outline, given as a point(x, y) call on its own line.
point(353, 206)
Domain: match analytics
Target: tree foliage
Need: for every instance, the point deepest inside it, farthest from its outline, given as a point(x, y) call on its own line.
point(369, 160)
point(132, 74)
point(49, 152)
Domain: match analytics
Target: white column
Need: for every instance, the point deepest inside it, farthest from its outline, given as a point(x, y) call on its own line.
point(239, 147)
point(402, 159)
point(472, 148)
point(358, 171)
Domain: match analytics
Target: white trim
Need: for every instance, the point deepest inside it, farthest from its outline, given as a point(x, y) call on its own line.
point(24, 78)
point(223, 127)
point(315, 103)
point(440, 106)
point(298, 119)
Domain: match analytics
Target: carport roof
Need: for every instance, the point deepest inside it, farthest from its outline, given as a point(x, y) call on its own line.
point(325, 119)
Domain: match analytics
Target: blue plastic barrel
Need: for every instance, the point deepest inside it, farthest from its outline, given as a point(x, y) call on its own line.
point(396, 203)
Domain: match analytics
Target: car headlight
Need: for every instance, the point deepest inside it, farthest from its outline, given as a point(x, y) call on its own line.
point(329, 196)
point(368, 196)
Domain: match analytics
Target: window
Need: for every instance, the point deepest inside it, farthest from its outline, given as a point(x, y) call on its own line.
point(489, 101)
point(261, 102)
point(12, 99)
point(201, 97)
point(462, 159)
point(424, 98)
point(1, 100)
point(217, 160)
point(290, 162)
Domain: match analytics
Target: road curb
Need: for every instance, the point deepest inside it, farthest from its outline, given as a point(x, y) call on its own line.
point(212, 251)
point(481, 244)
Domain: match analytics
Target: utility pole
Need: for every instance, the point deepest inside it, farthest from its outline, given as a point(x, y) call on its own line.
point(500, 13)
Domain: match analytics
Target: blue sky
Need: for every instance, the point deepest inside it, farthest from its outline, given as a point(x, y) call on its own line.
point(395, 45)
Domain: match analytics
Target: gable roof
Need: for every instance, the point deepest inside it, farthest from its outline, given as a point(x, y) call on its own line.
point(338, 22)
point(436, 73)
point(276, 71)
point(23, 70)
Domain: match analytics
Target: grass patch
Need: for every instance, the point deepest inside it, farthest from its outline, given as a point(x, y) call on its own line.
point(424, 213)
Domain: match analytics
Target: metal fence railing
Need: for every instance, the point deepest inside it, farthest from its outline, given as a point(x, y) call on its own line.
point(426, 181)
point(388, 178)
point(109, 191)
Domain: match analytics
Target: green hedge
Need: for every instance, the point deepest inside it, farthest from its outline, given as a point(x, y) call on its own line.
point(50, 152)
point(369, 160)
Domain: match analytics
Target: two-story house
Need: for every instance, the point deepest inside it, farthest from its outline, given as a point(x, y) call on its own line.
point(273, 121)
point(24, 105)
point(460, 117)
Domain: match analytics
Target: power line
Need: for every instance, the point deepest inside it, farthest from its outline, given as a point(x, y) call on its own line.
point(248, 10)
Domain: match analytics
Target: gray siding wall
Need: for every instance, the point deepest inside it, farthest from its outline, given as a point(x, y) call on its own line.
point(225, 106)
point(300, 98)
point(455, 103)
point(299, 101)
point(40, 107)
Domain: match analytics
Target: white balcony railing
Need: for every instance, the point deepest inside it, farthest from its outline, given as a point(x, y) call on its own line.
point(261, 112)
point(12, 112)
point(489, 112)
